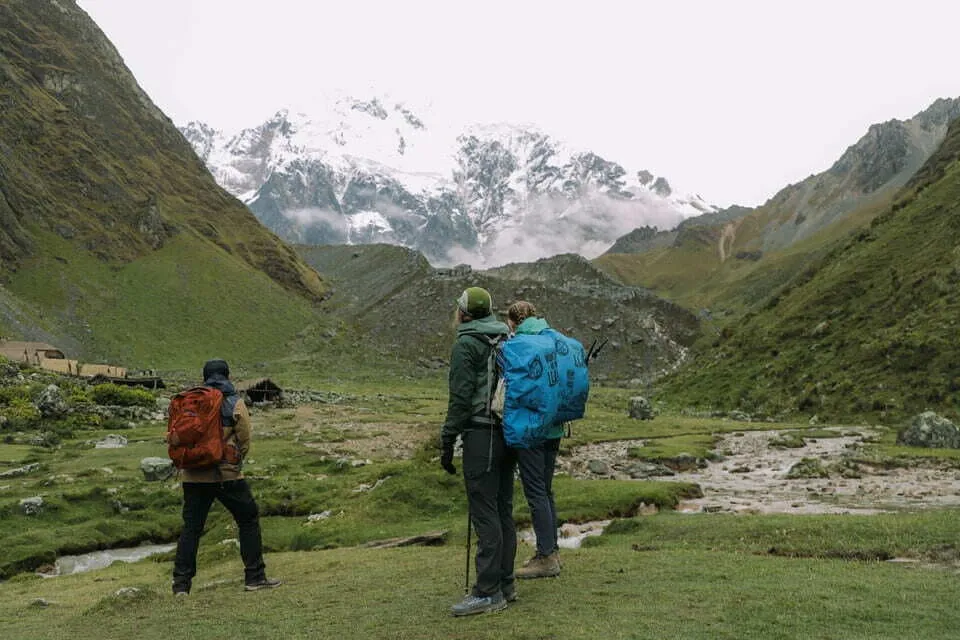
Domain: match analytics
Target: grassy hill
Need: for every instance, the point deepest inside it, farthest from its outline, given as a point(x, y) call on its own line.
point(868, 329)
point(730, 262)
point(115, 240)
point(403, 308)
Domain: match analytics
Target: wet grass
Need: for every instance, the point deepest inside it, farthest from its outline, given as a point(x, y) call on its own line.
point(666, 576)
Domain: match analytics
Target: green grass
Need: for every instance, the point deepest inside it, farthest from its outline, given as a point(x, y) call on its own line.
point(867, 331)
point(670, 576)
point(300, 465)
point(172, 308)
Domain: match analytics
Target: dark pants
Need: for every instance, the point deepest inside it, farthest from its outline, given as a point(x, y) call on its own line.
point(198, 497)
point(537, 465)
point(488, 467)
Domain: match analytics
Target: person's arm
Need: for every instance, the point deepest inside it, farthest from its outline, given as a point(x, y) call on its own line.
point(242, 427)
point(462, 383)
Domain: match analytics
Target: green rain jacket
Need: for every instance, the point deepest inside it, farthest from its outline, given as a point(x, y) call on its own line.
point(468, 377)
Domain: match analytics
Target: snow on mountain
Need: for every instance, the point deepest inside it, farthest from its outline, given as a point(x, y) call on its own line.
point(352, 171)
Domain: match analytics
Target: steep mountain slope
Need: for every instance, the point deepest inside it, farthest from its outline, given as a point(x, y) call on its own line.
point(405, 307)
point(111, 226)
point(868, 330)
point(359, 172)
point(704, 262)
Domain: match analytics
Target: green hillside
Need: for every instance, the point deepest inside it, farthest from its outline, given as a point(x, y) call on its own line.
point(115, 241)
point(869, 329)
point(731, 260)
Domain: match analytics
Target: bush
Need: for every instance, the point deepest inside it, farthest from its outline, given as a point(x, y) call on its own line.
point(117, 395)
point(21, 415)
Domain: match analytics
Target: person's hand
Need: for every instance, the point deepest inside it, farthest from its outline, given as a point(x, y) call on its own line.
point(446, 459)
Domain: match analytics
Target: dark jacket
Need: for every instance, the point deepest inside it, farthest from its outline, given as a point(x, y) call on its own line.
point(468, 376)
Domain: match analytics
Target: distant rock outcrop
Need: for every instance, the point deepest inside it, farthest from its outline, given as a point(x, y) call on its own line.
point(930, 430)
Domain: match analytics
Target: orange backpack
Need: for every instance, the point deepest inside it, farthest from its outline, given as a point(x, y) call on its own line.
point(195, 430)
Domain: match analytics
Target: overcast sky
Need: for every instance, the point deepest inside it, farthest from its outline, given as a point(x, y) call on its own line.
point(732, 99)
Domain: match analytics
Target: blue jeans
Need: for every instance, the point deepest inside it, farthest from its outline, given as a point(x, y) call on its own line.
point(198, 497)
point(537, 465)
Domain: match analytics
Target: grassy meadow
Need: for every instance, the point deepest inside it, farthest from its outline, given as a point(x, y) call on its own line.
point(365, 458)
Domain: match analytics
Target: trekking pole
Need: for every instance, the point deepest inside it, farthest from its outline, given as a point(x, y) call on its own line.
point(466, 584)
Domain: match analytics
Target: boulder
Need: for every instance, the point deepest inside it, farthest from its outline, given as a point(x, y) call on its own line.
point(112, 441)
point(31, 506)
point(640, 470)
point(51, 404)
point(21, 471)
point(930, 430)
point(155, 469)
point(598, 467)
point(640, 408)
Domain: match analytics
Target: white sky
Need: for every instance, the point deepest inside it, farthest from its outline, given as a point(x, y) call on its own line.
point(732, 99)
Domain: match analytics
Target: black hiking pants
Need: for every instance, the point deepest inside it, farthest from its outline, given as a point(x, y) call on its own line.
point(488, 468)
point(198, 497)
point(537, 465)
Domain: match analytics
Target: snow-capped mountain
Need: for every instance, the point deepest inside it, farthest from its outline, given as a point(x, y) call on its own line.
point(357, 171)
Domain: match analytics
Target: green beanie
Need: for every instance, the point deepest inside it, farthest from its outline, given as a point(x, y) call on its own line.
point(475, 302)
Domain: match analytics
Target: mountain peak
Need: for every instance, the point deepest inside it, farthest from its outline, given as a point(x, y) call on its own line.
point(370, 170)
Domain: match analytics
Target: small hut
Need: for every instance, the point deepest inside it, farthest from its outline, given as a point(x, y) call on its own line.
point(260, 390)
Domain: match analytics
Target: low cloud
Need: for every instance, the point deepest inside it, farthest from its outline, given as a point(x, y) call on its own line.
point(551, 225)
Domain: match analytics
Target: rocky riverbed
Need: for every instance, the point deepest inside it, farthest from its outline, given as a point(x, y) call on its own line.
point(751, 475)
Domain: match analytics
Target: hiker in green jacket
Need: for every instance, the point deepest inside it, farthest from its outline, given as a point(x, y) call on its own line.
point(488, 464)
point(537, 465)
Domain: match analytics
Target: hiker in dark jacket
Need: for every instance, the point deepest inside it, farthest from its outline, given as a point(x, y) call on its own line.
point(223, 482)
point(537, 465)
point(488, 464)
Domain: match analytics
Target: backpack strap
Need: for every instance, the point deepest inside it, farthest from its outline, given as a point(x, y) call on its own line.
point(493, 342)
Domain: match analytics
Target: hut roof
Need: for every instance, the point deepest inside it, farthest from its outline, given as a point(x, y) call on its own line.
point(15, 349)
point(257, 383)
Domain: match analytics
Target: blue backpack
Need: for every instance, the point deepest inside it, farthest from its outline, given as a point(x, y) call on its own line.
point(545, 384)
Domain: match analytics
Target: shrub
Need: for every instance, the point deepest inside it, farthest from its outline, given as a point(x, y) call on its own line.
point(21, 415)
point(117, 395)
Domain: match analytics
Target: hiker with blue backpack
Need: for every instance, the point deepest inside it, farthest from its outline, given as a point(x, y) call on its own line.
point(537, 464)
point(488, 463)
point(544, 384)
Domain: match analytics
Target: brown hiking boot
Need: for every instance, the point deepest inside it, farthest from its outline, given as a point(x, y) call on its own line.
point(540, 567)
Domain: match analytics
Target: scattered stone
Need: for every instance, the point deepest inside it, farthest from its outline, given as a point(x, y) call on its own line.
point(598, 467)
point(808, 468)
point(685, 462)
point(21, 471)
point(42, 603)
point(318, 517)
point(51, 404)
point(128, 592)
point(155, 469)
point(640, 470)
point(112, 441)
point(739, 416)
point(930, 430)
point(640, 408)
point(430, 539)
point(31, 506)
point(365, 487)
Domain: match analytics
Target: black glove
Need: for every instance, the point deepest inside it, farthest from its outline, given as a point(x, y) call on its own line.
point(446, 459)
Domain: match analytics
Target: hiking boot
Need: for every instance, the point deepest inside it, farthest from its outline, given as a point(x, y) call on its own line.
point(509, 592)
point(266, 583)
point(472, 604)
point(540, 567)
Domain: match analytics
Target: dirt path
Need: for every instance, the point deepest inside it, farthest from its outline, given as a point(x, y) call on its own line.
point(752, 477)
